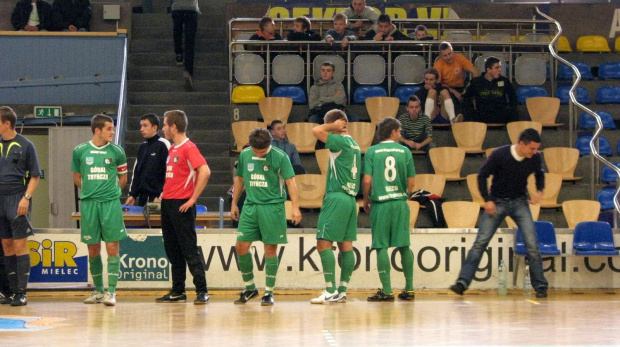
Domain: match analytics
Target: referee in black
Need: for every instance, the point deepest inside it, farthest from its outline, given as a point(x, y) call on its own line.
point(19, 177)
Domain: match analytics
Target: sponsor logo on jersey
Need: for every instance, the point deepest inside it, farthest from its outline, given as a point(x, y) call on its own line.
point(107, 161)
point(500, 83)
point(265, 168)
point(250, 167)
point(176, 159)
point(90, 160)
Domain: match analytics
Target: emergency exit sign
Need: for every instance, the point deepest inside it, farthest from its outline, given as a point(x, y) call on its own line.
point(47, 111)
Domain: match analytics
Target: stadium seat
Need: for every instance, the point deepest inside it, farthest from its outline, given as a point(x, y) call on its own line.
point(461, 214)
point(363, 92)
point(369, 69)
point(132, 209)
point(294, 92)
point(586, 121)
point(414, 209)
point(201, 209)
point(531, 70)
point(609, 71)
point(608, 95)
point(247, 94)
point(576, 211)
point(566, 72)
point(275, 107)
point(544, 109)
point(497, 37)
point(469, 136)
point(582, 95)
point(338, 62)
point(536, 37)
point(381, 107)
point(300, 134)
point(592, 43)
point(241, 132)
point(583, 145)
point(431, 183)
point(545, 234)
point(472, 186)
point(594, 238)
point(363, 134)
point(562, 161)
point(404, 92)
point(409, 69)
point(448, 161)
point(525, 92)
point(609, 175)
point(553, 185)
point(606, 197)
point(322, 159)
point(516, 128)
point(564, 45)
point(458, 36)
point(311, 189)
point(249, 68)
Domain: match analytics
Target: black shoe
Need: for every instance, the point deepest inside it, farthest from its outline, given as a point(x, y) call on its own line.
point(188, 83)
point(267, 300)
point(5, 299)
point(179, 59)
point(406, 295)
point(172, 297)
point(19, 299)
point(458, 288)
point(381, 296)
point(541, 292)
point(201, 298)
point(246, 295)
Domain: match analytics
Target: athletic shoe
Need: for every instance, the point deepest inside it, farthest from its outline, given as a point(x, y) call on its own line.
point(246, 295)
point(172, 297)
point(179, 59)
point(458, 288)
point(6, 300)
point(406, 295)
point(267, 300)
point(94, 298)
point(342, 297)
point(541, 292)
point(457, 119)
point(109, 299)
point(201, 298)
point(189, 84)
point(19, 299)
point(381, 296)
point(325, 297)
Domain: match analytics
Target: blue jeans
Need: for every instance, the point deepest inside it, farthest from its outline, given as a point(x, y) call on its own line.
point(519, 210)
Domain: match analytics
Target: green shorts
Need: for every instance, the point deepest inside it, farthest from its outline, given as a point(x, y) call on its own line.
point(338, 218)
point(266, 223)
point(389, 222)
point(102, 221)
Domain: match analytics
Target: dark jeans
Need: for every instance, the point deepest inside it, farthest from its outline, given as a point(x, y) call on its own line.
point(180, 243)
point(185, 24)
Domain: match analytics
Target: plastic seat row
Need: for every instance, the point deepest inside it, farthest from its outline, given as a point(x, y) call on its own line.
point(606, 71)
point(583, 145)
point(604, 95)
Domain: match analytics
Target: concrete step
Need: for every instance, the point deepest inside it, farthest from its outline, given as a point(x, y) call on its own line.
point(166, 45)
point(168, 59)
point(210, 14)
point(137, 86)
point(177, 98)
point(176, 73)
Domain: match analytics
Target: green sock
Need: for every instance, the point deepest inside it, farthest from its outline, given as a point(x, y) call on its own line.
point(328, 260)
point(96, 270)
point(271, 270)
point(114, 267)
point(384, 267)
point(348, 264)
point(247, 270)
point(406, 257)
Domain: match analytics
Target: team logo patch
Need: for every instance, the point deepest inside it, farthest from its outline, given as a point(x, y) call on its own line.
point(250, 167)
point(107, 161)
point(265, 168)
point(500, 83)
point(90, 160)
point(176, 159)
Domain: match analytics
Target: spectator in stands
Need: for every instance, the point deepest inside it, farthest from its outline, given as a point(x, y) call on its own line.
point(72, 15)
point(326, 95)
point(491, 98)
point(278, 136)
point(267, 30)
point(32, 15)
point(416, 129)
point(301, 31)
point(340, 32)
point(185, 23)
point(430, 96)
point(358, 11)
point(385, 31)
point(149, 170)
point(451, 67)
point(421, 33)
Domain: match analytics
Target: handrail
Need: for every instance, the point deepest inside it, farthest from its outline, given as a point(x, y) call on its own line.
point(119, 135)
point(599, 122)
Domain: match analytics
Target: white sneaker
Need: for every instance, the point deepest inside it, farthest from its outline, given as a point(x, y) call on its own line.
point(325, 297)
point(110, 299)
point(342, 297)
point(94, 298)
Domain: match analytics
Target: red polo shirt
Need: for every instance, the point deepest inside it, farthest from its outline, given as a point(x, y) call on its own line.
point(183, 160)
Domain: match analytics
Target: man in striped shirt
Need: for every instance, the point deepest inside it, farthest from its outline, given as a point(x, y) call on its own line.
point(417, 133)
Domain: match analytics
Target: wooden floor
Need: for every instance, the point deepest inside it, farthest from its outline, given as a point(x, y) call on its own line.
point(485, 319)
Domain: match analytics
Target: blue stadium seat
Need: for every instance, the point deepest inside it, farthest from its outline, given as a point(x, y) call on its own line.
point(361, 93)
point(201, 209)
point(566, 73)
point(132, 209)
point(525, 92)
point(294, 92)
point(609, 71)
point(588, 122)
point(608, 175)
point(594, 238)
point(608, 95)
point(404, 92)
point(583, 145)
point(547, 242)
point(606, 197)
point(582, 95)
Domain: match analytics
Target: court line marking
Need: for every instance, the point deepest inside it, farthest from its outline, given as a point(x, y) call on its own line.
point(532, 301)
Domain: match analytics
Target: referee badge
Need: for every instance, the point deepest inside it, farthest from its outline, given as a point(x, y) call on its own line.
point(250, 167)
point(90, 160)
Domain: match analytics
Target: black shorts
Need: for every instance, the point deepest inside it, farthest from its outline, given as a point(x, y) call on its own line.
point(9, 227)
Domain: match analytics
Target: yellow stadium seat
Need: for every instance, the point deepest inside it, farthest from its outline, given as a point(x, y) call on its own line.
point(617, 44)
point(592, 43)
point(564, 45)
point(247, 94)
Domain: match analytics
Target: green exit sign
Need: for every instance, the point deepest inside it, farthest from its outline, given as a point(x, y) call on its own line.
point(47, 111)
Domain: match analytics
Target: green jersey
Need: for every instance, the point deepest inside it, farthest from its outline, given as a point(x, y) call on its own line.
point(264, 176)
point(345, 161)
point(100, 168)
point(389, 164)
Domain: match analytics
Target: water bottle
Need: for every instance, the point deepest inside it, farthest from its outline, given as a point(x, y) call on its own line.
point(527, 283)
point(501, 278)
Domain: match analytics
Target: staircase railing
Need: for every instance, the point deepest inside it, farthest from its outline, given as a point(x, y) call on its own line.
point(121, 118)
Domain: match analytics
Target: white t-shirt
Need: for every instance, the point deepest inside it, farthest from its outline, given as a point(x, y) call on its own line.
point(34, 16)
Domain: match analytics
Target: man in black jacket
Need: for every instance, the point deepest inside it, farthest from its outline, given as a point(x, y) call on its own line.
point(150, 168)
point(301, 31)
point(24, 18)
point(72, 15)
point(385, 31)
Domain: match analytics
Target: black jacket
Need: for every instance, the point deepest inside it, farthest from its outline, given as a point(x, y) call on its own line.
point(22, 10)
point(309, 35)
point(397, 35)
point(72, 12)
point(149, 172)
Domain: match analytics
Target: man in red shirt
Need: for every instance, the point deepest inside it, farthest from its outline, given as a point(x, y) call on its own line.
point(187, 174)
